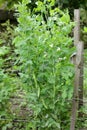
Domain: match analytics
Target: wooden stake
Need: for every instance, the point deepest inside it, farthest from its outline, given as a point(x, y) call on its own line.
point(76, 85)
point(77, 26)
point(80, 114)
point(77, 70)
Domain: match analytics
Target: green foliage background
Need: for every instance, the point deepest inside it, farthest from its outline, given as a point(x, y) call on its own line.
point(40, 55)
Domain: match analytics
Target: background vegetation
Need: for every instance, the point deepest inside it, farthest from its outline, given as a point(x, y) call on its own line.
point(35, 59)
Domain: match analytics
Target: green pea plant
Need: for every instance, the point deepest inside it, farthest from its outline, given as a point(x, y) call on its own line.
point(44, 47)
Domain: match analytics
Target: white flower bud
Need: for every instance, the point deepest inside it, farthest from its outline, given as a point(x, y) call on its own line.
point(51, 45)
point(58, 49)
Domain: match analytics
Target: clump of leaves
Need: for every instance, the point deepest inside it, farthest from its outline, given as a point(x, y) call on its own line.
point(46, 72)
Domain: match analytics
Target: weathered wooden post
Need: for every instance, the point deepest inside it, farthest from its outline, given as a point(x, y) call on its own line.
point(77, 26)
point(80, 114)
point(77, 71)
point(76, 85)
point(76, 40)
point(78, 81)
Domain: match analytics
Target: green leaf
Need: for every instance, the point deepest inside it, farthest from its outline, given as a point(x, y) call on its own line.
point(85, 29)
point(65, 18)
